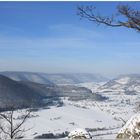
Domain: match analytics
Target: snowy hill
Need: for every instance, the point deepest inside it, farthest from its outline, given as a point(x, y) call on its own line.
point(130, 84)
point(18, 95)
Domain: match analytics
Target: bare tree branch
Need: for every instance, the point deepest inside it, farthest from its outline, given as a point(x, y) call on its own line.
point(132, 17)
point(4, 116)
point(10, 129)
point(21, 123)
point(4, 131)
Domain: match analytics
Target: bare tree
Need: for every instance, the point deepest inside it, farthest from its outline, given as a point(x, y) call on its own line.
point(131, 17)
point(11, 126)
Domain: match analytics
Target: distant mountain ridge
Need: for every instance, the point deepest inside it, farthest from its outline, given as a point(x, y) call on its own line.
point(130, 83)
point(44, 78)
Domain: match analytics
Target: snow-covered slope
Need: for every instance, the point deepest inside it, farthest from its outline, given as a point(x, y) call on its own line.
point(131, 130)
point(16, 94)
point(123, 80)
point(119, 104)
point(130, 84)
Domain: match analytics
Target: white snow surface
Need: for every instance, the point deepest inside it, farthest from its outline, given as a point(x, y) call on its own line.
point(67, 118)
point(123, 80)
point(78, 132)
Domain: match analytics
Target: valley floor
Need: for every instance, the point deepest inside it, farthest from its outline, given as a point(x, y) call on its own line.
point(69, 117)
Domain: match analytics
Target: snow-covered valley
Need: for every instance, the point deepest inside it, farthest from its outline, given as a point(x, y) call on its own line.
point(103, 119)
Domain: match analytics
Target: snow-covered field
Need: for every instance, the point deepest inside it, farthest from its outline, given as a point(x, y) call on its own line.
point(69, 117)
point(103, 119)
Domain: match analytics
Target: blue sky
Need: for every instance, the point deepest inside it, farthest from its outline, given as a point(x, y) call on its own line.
point(50, 37)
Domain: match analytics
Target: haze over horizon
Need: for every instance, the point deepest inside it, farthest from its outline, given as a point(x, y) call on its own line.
point(49, 37)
